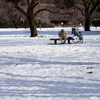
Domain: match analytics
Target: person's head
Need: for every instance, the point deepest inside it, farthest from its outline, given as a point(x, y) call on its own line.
point(62, 30)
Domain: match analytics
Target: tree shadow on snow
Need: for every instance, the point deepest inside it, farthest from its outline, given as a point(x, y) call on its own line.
point(37, 86)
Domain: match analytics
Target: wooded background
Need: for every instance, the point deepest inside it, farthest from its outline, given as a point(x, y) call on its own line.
point(74, 9)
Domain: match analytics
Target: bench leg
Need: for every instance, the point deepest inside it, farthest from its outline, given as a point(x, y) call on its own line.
point(55, 41)
point(68, 41)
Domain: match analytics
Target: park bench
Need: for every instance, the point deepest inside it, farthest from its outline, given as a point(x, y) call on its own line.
point(78, 37)
point(55, 39)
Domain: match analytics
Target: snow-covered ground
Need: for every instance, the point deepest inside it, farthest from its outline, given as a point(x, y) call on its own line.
point(36, 69)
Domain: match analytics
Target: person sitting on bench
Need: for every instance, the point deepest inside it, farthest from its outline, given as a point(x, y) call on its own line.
point(63, 36)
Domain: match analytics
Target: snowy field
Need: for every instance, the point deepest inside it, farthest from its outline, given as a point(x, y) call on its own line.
point(36, 69)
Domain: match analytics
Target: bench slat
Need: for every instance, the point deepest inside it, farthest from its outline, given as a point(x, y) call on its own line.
point(55, 39)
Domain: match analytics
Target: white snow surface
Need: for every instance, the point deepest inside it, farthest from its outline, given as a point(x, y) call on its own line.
point(36, 69)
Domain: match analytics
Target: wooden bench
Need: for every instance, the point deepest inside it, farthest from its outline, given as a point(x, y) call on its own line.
point(55, 39)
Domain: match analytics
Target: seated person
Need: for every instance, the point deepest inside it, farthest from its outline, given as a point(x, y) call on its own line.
point(63, 35)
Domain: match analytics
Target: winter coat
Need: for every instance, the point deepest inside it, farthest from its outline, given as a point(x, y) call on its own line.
point(63, 34)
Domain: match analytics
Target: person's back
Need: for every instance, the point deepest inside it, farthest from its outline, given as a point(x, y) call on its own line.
point(63, 35)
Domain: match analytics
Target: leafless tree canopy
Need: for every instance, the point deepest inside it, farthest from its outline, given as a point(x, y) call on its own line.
point(9, 14)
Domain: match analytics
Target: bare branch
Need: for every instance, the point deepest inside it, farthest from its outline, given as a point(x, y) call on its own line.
point(90, 2)
point(93, 8)
point(28, 2)
point(33, 6)
point(21, 10)
point(79, 3)
point(81, 10)
point(84, 2)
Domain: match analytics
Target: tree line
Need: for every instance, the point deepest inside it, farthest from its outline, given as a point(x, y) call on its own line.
point(25, 10)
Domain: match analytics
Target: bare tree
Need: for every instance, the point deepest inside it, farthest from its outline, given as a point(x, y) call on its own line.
point(9, 14)
point(87, 7)
point(29, 12)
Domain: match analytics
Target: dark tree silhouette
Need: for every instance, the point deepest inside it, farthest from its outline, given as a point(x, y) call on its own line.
point(30, 14)
point(87, 8)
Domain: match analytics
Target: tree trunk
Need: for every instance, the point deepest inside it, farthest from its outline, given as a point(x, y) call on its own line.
point(87, 19)
point(87, 23)
point(32, 27)
point(15, 25)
